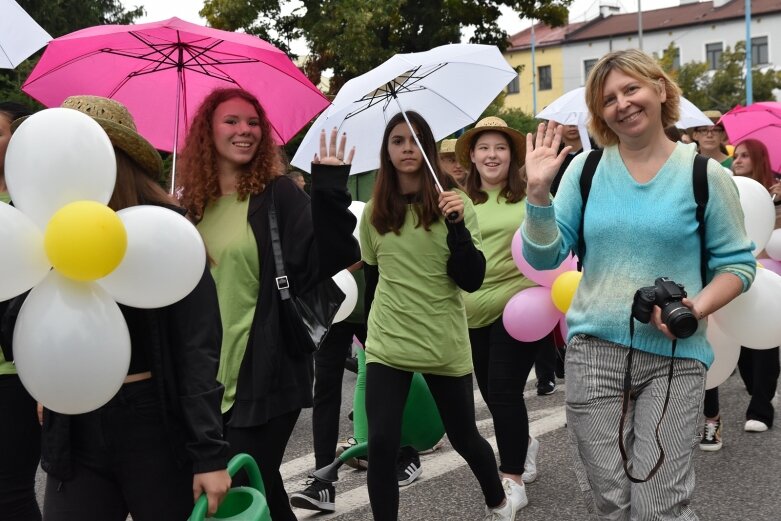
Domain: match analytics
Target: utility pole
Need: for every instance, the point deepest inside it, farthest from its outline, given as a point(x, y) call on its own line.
point(534, 75)
point(749, 76)
point(640, 23)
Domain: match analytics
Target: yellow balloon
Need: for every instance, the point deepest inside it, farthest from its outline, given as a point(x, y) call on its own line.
point(563, 289)
point(85, 240)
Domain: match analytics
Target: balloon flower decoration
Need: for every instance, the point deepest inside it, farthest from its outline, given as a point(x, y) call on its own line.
point(71, 342)
point(533, 313)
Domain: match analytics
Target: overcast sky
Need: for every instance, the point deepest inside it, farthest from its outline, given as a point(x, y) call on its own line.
point(510, 22)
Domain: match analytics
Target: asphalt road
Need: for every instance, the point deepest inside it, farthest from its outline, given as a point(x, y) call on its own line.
point(740, 482)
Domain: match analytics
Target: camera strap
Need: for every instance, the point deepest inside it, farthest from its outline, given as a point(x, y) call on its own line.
point(627, 396)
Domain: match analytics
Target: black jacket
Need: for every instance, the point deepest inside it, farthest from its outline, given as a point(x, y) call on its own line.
point(317, 242)
point(182, 346)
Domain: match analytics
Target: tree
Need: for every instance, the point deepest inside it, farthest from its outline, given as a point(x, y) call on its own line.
point(724, 88)
point(59, 17)
point(350, 37)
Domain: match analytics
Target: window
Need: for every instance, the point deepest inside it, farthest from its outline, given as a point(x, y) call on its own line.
point(759, 51)
point(587, 66)
point(514, 86)
point(676, 57)
point(544, 77)
point(713, 54)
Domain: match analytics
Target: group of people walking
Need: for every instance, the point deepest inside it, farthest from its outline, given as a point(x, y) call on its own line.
point(214, 374)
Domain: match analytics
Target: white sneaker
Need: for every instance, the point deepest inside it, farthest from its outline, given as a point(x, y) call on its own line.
point(755, 426)
point(530, 466)
point(505, 512)
point(516, 493)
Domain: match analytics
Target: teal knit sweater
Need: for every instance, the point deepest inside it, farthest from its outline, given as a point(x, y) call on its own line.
point(635, 233)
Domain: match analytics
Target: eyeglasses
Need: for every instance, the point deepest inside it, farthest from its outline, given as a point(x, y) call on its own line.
point(712, 130)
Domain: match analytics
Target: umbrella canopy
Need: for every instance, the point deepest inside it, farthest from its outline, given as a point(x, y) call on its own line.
point(760, 121)
point(20, 35)
point(449, 86)
point(571, 109)
point(161, 71)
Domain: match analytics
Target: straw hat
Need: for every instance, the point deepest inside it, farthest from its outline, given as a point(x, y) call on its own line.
point(713, 115)
point(447, 146)
point(116, 120)
point(494, 124)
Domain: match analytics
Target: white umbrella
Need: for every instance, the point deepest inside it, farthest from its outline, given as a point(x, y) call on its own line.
point(571, 109)
point(20, 35)
point(449, 86)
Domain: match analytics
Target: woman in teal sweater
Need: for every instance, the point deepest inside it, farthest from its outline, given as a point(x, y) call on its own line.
point(639, 225)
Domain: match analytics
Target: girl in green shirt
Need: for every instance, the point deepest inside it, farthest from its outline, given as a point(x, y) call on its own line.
point(493, 153)
point(416, 264)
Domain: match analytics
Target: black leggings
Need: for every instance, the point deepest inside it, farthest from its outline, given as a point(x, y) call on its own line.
point(386, 395)
point(20, 438)
point(266, 443)
point(502, 366)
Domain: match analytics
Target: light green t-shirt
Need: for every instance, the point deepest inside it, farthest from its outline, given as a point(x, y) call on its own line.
point(236, 271)
point(6, 367)
point(417, 320)
point(498, 223)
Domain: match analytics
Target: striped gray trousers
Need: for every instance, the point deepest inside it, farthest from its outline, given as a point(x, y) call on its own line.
point(595, 373)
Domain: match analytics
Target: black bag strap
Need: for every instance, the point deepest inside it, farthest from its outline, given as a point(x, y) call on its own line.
point(586, 176)
point(700, 184)
point(283, 285)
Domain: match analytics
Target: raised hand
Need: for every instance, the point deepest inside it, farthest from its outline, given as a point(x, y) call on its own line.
point(543, 161)
point(333, 154)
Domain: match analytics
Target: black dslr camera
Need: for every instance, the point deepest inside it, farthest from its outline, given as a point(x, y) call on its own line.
point(667, 295)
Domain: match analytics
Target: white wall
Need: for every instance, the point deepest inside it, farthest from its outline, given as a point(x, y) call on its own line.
point(690, 40)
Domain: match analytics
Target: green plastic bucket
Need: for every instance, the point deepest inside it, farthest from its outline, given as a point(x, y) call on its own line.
point(241, 503)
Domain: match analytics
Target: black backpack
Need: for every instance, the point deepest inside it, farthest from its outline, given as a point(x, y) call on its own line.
point(700, 188)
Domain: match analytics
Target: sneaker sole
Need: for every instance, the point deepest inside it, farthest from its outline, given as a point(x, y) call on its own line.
point(710, 448)
point(529, 479)
point(307, 503)
point(412, 477)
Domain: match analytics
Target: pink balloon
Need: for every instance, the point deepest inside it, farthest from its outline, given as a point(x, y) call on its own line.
point(563, 327)
point(541, 277)
point(771, 264)
point(530, 314)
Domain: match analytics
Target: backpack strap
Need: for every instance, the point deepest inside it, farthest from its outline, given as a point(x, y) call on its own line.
point(586, 176)
point(700, 185)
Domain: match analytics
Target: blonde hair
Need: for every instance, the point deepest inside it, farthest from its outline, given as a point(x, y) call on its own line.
point(640, 66)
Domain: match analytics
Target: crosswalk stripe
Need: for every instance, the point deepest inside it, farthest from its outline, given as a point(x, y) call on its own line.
point(440, 463)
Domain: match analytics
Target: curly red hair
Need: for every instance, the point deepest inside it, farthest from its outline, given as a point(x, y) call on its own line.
point(197, 175)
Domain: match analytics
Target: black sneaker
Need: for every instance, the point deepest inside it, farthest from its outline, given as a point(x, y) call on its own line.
point(545, 388)
point(408, 466)
point(318, 495)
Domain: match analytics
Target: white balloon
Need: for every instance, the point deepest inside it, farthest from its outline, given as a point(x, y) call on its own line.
point(726, 351)
point(164, 261)
point(346, 282)
point(773, 246)
point(71, 345)
point(55, 157)
point(758, 211)
point(752, 318)
point(356, 208)
point(23, 263)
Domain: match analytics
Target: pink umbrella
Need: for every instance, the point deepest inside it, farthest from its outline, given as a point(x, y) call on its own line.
point(760, 121)
point(161, 71)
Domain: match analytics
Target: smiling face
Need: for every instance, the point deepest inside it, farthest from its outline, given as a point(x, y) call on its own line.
point(741, 164)
point(236, 132)
point(405, 156)
point(632, 108)
point(491, 156)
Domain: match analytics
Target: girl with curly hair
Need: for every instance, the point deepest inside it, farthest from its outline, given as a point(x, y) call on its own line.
point(230, 169)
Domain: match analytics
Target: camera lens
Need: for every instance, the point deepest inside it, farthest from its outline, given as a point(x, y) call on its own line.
point(679, 319)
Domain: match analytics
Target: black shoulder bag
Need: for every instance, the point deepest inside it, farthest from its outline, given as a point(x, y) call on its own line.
point(306, 318)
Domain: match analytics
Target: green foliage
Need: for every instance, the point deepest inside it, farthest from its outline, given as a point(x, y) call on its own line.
point(263, 18)
point(724, 88)
point(59, 17)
